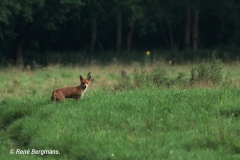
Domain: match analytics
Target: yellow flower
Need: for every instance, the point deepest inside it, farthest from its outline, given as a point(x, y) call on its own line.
point(28, 67)
point(170, 62)
point(148, 53)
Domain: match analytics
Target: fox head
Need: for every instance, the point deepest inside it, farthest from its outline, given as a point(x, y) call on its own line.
point(85, 82)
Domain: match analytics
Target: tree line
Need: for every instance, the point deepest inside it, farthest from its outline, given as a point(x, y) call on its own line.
point(119, 25)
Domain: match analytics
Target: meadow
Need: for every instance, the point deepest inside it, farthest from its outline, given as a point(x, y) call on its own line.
point(150, 111)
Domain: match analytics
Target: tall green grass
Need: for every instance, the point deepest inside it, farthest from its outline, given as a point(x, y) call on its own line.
point(145, 123)
point(137, 111)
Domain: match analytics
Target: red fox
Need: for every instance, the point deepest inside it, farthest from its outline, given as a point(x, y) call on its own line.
point(72, 92)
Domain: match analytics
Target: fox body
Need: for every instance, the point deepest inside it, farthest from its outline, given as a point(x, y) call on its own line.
point(71, 92)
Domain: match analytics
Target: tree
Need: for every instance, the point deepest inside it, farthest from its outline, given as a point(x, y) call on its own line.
point(126, 13)
point(135, 13)
point(119, 31)
point(93, 11)
point(195, 30)
point(21, 17)
point(187, 26)
point(191, 11)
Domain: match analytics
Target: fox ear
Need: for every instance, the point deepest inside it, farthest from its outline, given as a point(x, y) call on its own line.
point(81, 78)
point(89, 76)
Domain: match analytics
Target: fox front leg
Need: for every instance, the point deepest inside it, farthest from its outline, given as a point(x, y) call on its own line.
point(77, 97)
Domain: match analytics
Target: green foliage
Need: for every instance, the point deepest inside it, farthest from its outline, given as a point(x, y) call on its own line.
point(124, 82)
point(208, 74)
point(151, 25)
point(140, 78)
point(157, 76)
point(132, 124)
point(156, 114)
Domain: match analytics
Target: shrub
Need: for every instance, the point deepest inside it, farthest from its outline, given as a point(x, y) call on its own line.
point(157, 76)
point(204, 75)
point(140, 78)
point(207, 74)
point(124, 82)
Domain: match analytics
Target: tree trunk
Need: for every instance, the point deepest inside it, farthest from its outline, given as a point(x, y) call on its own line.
point(94, 34)
point(17, 50)
point(221, 32)
point(119, 32)
point(187, 27)
point(129, 37)
point(170, 36)
point(164, 35)
point(195, 30)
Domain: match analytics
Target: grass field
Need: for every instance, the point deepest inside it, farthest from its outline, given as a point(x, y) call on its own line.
point(133, 123)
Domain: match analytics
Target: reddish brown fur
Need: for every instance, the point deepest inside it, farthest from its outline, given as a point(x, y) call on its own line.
point(71, 92)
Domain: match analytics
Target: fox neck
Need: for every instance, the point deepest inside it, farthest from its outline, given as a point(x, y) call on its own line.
point(83, 90)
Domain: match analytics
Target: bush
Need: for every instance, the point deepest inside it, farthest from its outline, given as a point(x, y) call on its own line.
point(157, 76)
point(124, 82)
point(207, 74)
point(204, 75)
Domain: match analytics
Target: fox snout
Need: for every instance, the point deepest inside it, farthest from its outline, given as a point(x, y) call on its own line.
point(84, 87)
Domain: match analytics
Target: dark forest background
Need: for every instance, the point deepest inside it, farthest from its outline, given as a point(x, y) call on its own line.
point(45, 31)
